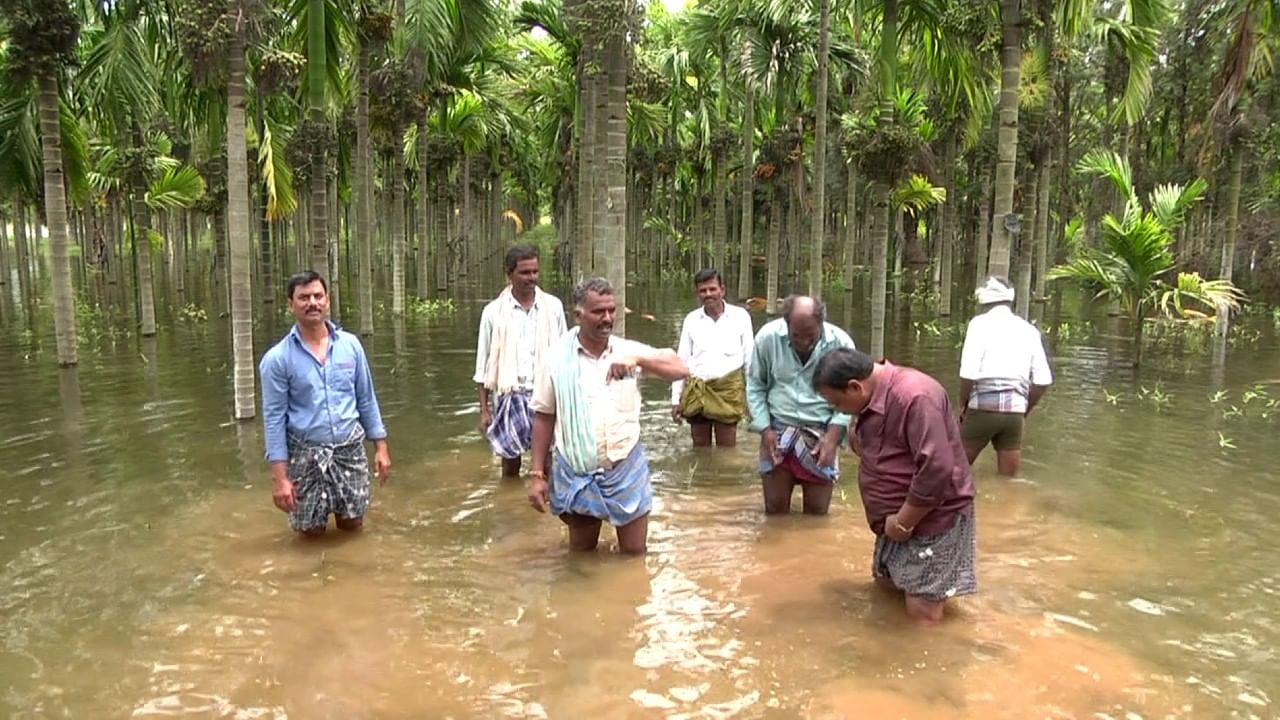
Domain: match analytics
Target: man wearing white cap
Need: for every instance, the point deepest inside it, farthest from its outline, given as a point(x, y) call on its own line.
point(1003, 374)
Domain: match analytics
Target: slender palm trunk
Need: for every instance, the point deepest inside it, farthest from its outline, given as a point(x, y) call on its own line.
point(721, 220)
point(582, 253)
point(4, 250)
point(888, 65)
point(316, 80)
point(424, 215)
point(396, 227)
point(615, 147)
point(142, 247)
point(1042, 247)
point(773, 243)
point(850, 224)
point(21, 250)
point(818, 216)
point(1022, 291)
point(238, 233)
point(55, 195)
point(1227, 267)
point(265, 251)
point(947, 227)
point(361, 195)
point(982, 241)
point(1002, 239)
point(748, 168)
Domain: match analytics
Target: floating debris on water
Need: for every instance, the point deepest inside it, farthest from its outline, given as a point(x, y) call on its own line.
point(1146, 606)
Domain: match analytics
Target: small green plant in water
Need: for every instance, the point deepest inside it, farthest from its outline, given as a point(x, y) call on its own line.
point(1224, 442)
point(1218, 397)
point(427, 309)
point(192, 314)
point(1112, 398)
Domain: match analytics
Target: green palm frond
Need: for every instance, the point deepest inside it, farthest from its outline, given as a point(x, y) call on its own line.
point(1112, 167)
point(1169, 203)
point(1034, 88)
point(1093, 273)
point(118, 77)
point(1138, 44)
point(276, 173)
point(178, 187)
point(1220, 296)
point(917, 194)
point(646, 123)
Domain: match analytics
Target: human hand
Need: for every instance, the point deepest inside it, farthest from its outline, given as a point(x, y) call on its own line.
point(623, 368)
point(539, 492)
point(486, 419)
point(895, 531)
point(675, 413)
point(382, 464)
point(826, 451)
point(282, 494)
point(769, 446)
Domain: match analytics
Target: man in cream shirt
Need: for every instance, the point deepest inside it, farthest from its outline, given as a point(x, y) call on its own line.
point(1003, 375)
point(717, 342)
point(587, 397)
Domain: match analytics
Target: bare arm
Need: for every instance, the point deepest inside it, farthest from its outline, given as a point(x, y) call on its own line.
point(966, 392)
point(665, 364)
point(1033, 397)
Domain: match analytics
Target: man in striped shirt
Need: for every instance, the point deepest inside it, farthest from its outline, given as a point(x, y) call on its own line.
point(1003, 375)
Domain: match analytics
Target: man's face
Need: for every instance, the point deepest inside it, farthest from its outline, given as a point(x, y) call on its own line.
point(309, 303)
point(711, 293)
point(525, 277)
point(804, 332)
point(595, 316)
point(851, 400)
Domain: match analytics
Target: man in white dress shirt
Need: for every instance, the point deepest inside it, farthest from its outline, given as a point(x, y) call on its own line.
point(716, 341)
point(1003, 374)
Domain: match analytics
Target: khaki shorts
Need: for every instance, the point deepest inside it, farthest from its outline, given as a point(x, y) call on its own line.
point(1002, 429)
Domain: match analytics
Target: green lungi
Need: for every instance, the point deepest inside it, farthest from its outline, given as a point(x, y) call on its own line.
point(723, 400)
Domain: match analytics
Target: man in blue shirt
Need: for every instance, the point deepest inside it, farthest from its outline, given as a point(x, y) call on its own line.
point(799, 433)
point(318, 408)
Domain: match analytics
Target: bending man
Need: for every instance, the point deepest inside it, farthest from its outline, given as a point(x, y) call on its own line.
point(799, 434)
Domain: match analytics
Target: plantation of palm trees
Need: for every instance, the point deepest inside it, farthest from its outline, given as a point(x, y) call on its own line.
point(187, 155)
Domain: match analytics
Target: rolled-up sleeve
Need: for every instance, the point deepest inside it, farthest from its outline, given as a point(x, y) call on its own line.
point(685, 350)
point(758, 389)
point(544, 391)
point(1040, 372)
point(482, 345)
point(367, 398)
point(275, 404)
point(971, 355)
point(926, 431)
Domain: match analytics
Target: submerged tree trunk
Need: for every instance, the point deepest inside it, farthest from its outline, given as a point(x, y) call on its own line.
point(1002, 239)
point(615, 229)
point(982, 241)
point(238, 234)
point(1232, 220)
point(879, 239)
point(1022, 291)
point(748, 167)
point(55, 205)
point(771, 253)
point(721, 219)
point(316, 81)
point(361, 195)
point(947, 228)
point(142, 247)
point(818, 215)
point(395, 178)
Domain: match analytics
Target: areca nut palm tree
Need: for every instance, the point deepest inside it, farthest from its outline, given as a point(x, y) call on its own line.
point(1136, 252)
point(42, 42)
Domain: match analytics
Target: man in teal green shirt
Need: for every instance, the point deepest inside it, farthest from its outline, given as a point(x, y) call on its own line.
point(800, 434)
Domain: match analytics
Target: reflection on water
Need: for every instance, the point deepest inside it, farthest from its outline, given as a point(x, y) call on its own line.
point(148, 574)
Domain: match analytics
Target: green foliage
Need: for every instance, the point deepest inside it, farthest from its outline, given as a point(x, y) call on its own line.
point(1136, 250)
point(192, 314)
point(42, 36)
point(430, 309)
point(178, 187)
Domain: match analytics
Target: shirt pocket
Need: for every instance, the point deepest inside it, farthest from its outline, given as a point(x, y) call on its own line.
point(343, 377)
point(626, 397)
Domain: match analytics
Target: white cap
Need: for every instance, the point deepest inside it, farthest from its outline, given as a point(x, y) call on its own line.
point(995, 290)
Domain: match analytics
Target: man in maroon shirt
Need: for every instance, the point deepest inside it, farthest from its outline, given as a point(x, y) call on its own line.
point(914, 477)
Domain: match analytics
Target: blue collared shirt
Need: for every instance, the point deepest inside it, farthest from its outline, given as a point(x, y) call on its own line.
point(780, 387)
point(319, 403)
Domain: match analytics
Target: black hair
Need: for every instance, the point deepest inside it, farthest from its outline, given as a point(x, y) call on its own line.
point(306, 277)
point(597, 285)
point(518, 253)
point(789, 304)
point(707, 274)
point(838, 367)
